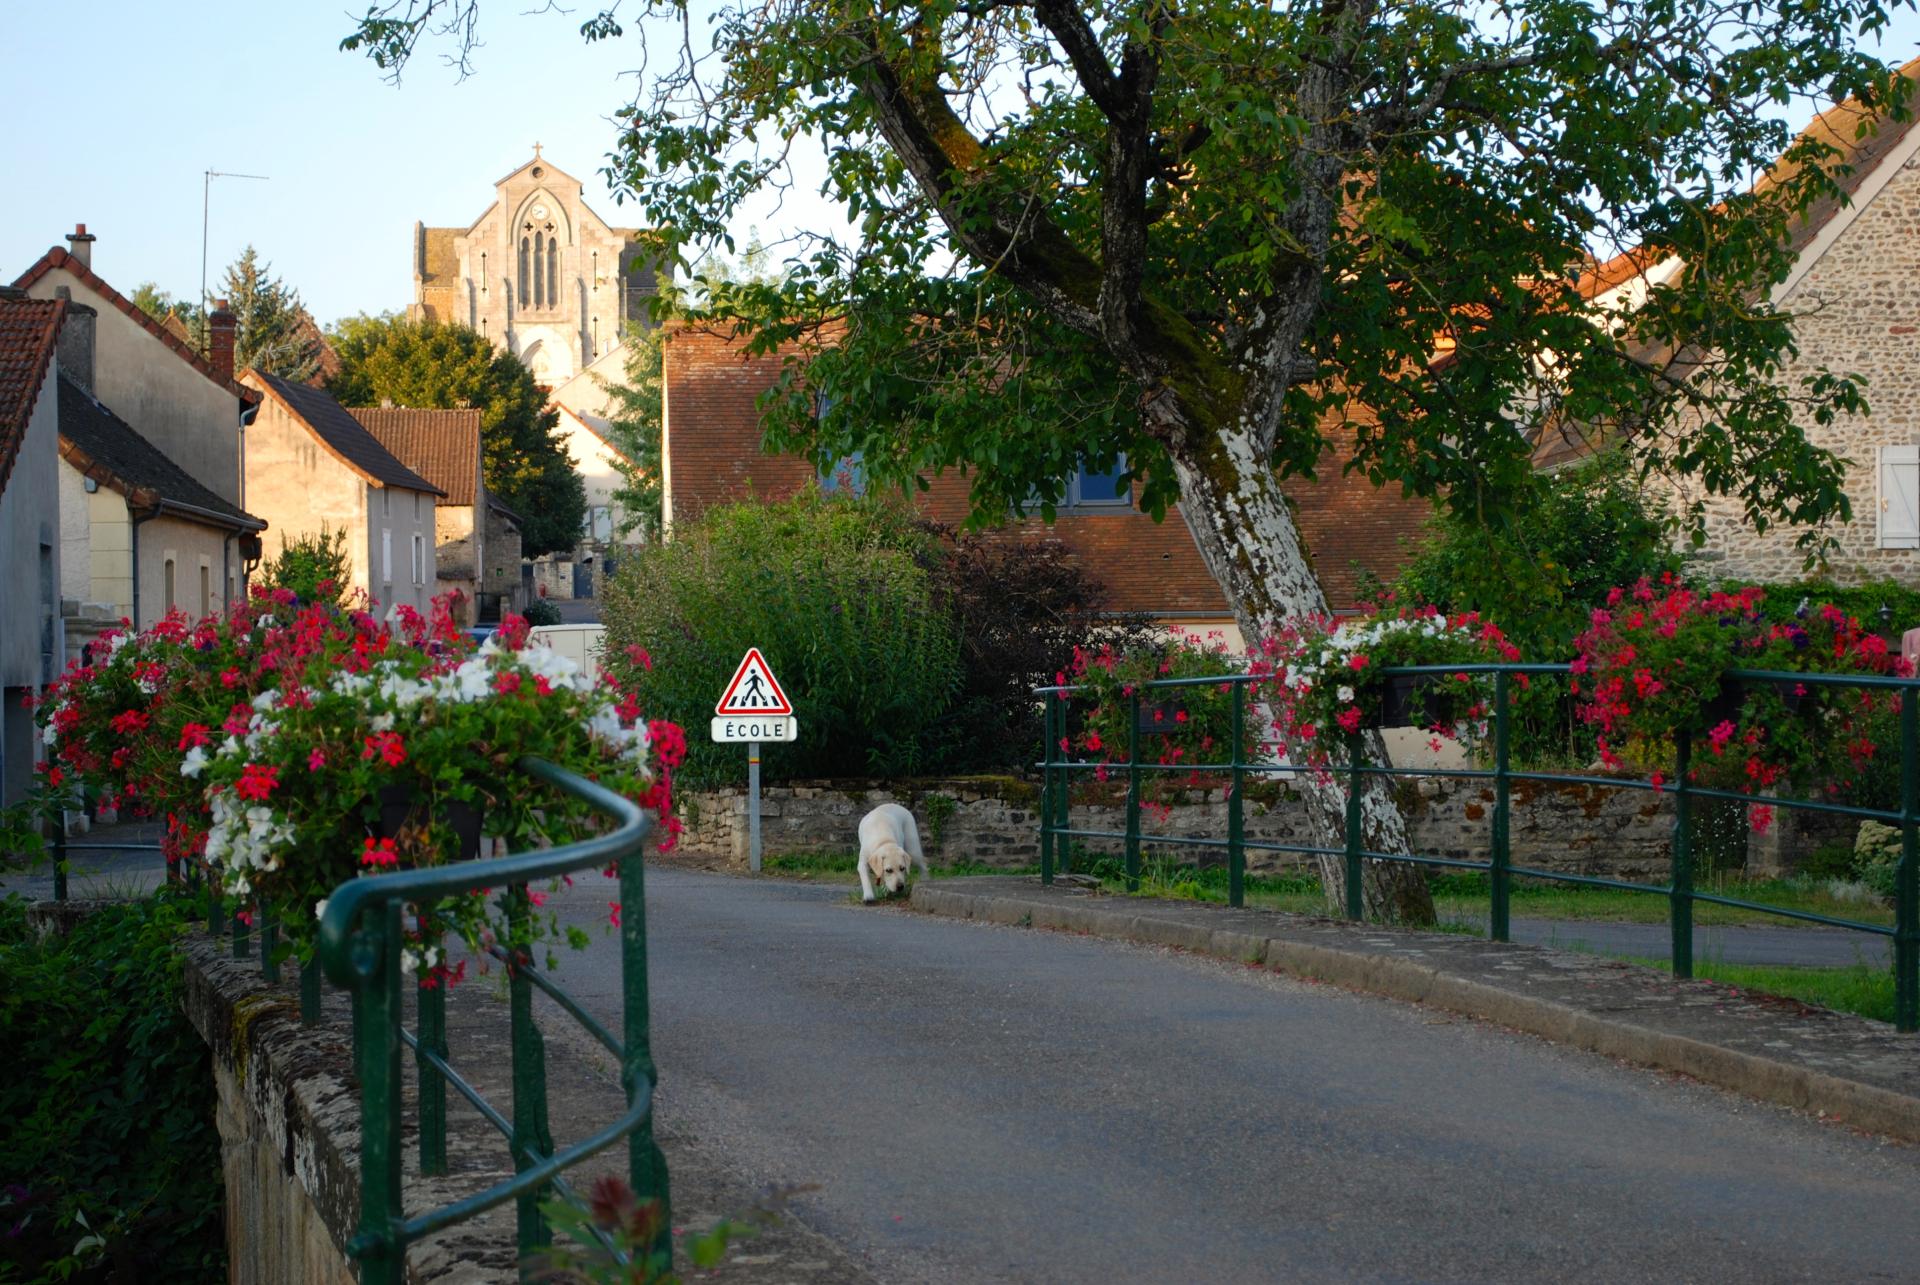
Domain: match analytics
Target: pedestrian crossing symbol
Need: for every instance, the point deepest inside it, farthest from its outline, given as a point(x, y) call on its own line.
point(754, 689)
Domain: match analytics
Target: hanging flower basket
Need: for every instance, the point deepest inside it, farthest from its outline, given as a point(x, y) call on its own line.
point(402, 808)
point(1418, 700)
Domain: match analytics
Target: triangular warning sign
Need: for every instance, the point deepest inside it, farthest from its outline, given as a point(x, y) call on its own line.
point(754, 689)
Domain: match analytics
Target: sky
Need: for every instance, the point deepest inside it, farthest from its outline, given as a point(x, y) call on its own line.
point(127, 103)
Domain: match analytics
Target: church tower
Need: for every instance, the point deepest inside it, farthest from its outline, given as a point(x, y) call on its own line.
point(539, 273)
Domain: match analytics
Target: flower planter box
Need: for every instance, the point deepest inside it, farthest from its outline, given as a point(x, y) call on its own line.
point(1418, 701)
point(400, 807)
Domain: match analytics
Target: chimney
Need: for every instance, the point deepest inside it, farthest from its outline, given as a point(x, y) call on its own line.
point(76, 340)
point(220, 325)
point(80, 245)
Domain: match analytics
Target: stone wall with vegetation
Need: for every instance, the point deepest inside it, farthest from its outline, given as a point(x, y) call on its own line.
point(995, 821)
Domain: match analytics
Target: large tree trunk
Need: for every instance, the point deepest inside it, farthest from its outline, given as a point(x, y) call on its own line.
point(1233, 504)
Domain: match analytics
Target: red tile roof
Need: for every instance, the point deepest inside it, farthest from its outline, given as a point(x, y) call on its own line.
point(58, 259)
point(442, 446)
point(29, 333)
point(104, 447)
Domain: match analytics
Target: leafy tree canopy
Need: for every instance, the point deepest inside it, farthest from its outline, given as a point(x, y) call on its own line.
point(388, 360)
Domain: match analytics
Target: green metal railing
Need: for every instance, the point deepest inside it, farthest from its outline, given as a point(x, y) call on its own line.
point(360, 943)
point(1058, 768)
point(361, 935)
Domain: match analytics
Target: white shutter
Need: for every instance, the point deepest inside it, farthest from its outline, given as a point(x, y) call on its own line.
point(386, 555)
point(1900, 497)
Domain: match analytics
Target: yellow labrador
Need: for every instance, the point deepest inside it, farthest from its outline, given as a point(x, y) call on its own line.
point(889, 845)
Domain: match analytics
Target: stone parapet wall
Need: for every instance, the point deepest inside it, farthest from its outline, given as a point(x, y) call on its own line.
point(1571, 828)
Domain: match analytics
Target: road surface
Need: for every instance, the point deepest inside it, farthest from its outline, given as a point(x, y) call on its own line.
point(992, 1104)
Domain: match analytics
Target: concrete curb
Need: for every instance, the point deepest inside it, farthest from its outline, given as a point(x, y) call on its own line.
point(1859, 1104)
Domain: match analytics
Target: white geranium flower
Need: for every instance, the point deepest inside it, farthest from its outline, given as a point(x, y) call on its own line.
point(320, 908)
point(194, 763)
point(1345, 694)
point(382, 723)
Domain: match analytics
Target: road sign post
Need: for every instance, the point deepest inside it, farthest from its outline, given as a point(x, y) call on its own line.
point(754, 709)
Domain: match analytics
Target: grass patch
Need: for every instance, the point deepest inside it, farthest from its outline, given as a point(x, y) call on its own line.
point(1462, 900)
point(845, 865)
point(1856, 988)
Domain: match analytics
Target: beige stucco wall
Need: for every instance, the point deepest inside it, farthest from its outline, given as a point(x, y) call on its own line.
point(76, 578)
point(191, 548)
point(405, 514)
point(594, 461)
point(456, 551)
point(167, 400)
point(1858, 310)
point(300, 488)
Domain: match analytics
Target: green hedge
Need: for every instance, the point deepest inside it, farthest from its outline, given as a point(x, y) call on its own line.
point(109, 1158)
point(837, 595)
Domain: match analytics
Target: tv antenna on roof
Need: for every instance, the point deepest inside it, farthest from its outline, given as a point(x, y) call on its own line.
point(206, 189)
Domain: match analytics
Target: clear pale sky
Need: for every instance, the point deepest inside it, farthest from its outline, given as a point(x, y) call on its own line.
point(118, 106)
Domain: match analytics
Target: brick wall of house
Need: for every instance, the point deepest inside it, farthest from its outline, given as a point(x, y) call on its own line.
point(1858, 311)
point(714, 456)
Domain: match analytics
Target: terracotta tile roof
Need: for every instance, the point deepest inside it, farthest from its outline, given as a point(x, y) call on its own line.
point(58, 259)
point(442, 446)
point(29, 334)
point(342, 434)
point(105, 448)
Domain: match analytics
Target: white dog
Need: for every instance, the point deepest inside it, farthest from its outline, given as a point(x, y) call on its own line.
point(889, 842)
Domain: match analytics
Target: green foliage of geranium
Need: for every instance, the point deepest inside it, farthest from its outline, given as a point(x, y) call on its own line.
point(317, 568)
point(112, 1165)
point(837, 595)
point(1184, 732)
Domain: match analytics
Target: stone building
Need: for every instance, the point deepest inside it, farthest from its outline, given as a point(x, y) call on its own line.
point(476, 538)
point(312, 469)
point(1854, 291)
point(538, 272)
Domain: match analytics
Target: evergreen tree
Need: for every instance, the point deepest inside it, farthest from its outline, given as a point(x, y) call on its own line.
point(273, 331)
point(389, 360)
point(634, 431)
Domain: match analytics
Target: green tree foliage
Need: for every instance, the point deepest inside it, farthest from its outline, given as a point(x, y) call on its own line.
point(316, 567)
point(634, 431)
point(1203, 235)
point(272, 329)
point(113, 1161)
point(388, 360)
point(161, 304)
point(836, 594)
point(1539, 572)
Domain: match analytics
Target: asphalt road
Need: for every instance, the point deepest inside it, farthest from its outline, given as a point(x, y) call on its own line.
point(989, 1104)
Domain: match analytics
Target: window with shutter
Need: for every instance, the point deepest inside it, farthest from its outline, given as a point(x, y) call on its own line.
point(1899, 497)
point(386, 555)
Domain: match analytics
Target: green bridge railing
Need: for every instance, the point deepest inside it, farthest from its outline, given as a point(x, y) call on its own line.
point(360, 942)
point(1058, 768)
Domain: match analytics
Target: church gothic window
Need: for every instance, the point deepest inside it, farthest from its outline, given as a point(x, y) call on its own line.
point(553, 273)
point(524, 296)
point(539, 275)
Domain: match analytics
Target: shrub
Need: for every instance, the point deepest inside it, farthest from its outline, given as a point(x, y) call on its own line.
point(1180, 727)
point(837, 595)
point(540, 613)
point(1022, 607)
point(106, 1119)
point(315, 567)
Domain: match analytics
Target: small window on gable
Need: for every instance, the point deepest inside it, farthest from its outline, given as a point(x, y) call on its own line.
point(1091, 488)
point(1899, 508)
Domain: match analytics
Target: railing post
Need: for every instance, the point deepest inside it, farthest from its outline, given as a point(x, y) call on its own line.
point(1236, 814)
point(1063, 801)
point(1498, 925)
point(1047, 788)
point(1906, 880)
point(1681, 898)
point(60, 856)
point(269, 943)
point(1133, 791)
point(646, 1166)
point(1356, 832)
point(242, 934)
point(430, 1019)
point(532, 1141)
point(310, 990)
point(376, 1048)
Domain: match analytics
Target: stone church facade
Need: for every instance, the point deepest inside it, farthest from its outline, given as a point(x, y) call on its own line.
point(539, 273)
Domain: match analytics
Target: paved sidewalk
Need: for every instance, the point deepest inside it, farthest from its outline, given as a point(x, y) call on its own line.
point(97, 869)
point(1851, 1068)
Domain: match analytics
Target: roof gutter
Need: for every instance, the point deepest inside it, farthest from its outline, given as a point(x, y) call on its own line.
point(210, 516)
